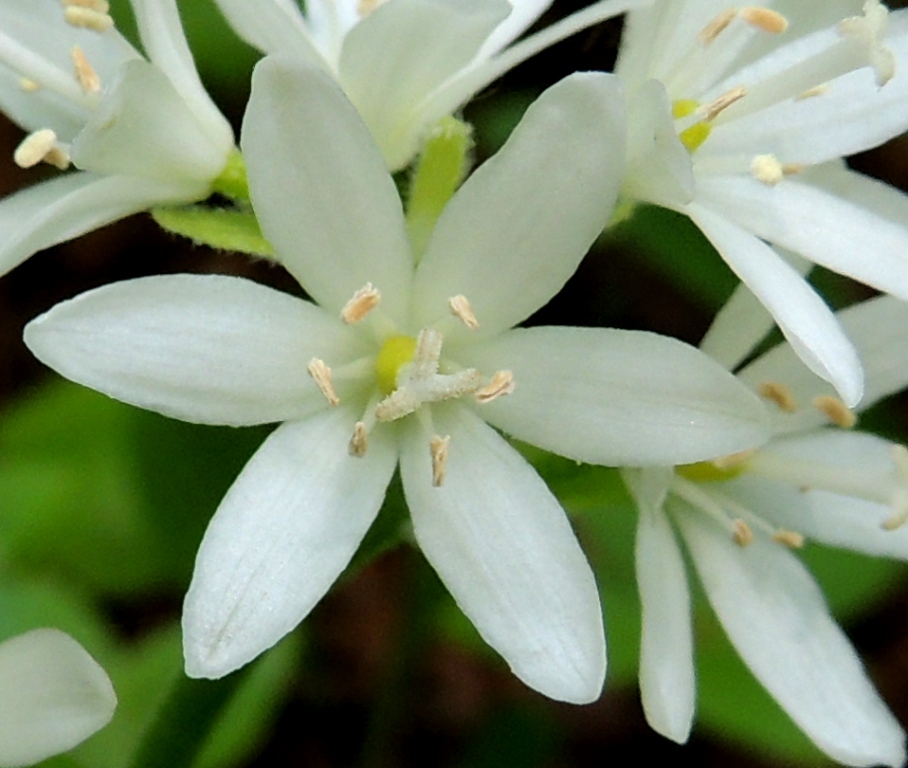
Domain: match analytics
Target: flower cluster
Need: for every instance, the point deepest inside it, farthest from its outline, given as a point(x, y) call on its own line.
point(415, 353)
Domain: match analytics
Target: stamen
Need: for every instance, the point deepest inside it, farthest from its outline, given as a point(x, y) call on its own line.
point(764, 19)
point(502, 383)
point(88, 18)
point(733, 460)
point(28, 85)
point(712, 110)
point(461, 309)
point(835, 410)
point(363, 302)
point(817, 90)
point(790, 539)
point(780, 394)
point(365, 7)
point(360, 440)
point(101, 6)
point(321, 373)
point(742, 535)
point(438, 449)
point(717, 26)
point(767, 169)
point(85, 73)
point(41, 146)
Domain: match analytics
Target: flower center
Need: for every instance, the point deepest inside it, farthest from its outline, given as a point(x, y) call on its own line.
point(394, 354)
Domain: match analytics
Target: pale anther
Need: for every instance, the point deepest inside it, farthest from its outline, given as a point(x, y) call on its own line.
point(502, 383)
point(363, 302)
point(767, 169)
point(780, 394)
point(733, 459)
point(40, 146)
point(835, 410)
point(790, 539)
point(321, 373)
point(742, 535)
point(87, 18)
point(101, 6)
point(764, 19)
point(717, 26)
point(360, 440)
point(85, 72)
point(438, 449)
point(817, 90)
point(28, 85)
point(461, 309)
point(712, 110)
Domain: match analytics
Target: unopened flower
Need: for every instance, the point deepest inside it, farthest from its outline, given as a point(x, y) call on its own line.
point(409, 364)
point(142, 133)
point(406, 64)
point(742, 516)
point(741, 125)
point(53, 696)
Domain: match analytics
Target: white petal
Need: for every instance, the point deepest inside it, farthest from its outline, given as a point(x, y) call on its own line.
point(272, 26)
point(802, 316)
point(144, 128)
point(830, 518)
point(71, 205)
point(775, 615)
point(522, 16)
point(504, 548)
point(202, 348)
point(667, 677)
point(286, 529)
point(836, 233)
point(165, 43)
point(401, 52)
point(517, 229)
point(622, 398)
point(321, 189)
point(53, 695)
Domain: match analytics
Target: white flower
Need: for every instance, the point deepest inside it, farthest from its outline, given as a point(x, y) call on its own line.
point(406, 377)
point(406, 64)
point(729, 116)
point(142, 133)
point(739, 519)
point(53, 695)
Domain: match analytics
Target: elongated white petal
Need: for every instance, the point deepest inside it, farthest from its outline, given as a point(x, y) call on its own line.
point(878, 327)
point(401, 52)
point(165, 43)
point(53, 695)
point(504, 548)
point(775, 615)
point(286, 529)
point(522, 16)
point(272, 26)
point(144, 128)
point(321, 189)
point(846, 238)
point(802, 316)
point(622, 398)
point(831, 518)
point(66, 207)
point(667, 677)
point(207, 349)
point(517, 229)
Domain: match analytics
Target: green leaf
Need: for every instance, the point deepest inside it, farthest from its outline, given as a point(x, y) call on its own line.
point(226, 229)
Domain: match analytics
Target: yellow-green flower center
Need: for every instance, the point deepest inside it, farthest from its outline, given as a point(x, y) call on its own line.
point(709, 472)
point(394, 354)
point(693, 136)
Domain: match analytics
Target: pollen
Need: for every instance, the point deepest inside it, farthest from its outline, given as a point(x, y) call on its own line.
point(835, 410)
point(394, 354)
point(363, 302)
point(438, 450)
point(764, 19)
point(780, 394)
point(742, 535)
point(767, 169)
point(461, 309)
point(360, 440)
point(502, 383)
point(321, 373)
point(40, 146)
point(88, 18)
point(790, 539)
point(85, 73)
